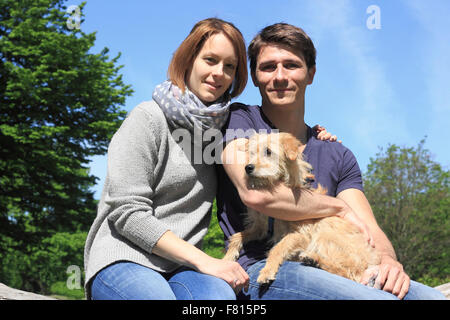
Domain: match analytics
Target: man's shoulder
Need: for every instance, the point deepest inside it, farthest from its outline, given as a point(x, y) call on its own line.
point(335, 164)
point(244, 117)
point(241, 108)
point(327, 147)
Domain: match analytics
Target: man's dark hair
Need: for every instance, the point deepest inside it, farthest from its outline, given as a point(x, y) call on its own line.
point(286, 35)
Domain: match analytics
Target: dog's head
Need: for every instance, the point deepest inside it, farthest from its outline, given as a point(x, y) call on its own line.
point(276, 157)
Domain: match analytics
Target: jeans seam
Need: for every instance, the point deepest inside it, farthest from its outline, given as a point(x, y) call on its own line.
point(289, 290)
point(186, 288)
point(112, 288)
point(276, 288)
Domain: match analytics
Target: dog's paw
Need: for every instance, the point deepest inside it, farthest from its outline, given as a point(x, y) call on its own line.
point(309, 262)
point(370, 276)
point(266, 275)
point(231, 256)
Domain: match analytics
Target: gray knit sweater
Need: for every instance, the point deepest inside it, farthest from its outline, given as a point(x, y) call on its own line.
point(151, 187)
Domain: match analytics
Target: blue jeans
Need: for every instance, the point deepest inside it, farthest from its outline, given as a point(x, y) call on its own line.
point(295, 281)
point(131, 281)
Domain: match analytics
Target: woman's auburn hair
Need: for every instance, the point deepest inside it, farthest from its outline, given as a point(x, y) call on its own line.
point(184, 56)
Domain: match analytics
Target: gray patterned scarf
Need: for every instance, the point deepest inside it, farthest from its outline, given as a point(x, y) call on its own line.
point(187, 111)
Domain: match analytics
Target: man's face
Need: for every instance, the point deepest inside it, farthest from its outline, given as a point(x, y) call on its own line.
point(282, 76)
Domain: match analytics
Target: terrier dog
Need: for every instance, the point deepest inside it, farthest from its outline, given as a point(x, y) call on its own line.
point(332, 244)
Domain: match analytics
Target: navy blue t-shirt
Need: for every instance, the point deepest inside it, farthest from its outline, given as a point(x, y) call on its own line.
point(334, 167)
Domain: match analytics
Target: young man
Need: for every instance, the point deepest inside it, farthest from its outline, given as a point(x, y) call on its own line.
point(282, 62)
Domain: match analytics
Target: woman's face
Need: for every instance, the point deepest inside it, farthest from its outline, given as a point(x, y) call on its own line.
point(213, 70)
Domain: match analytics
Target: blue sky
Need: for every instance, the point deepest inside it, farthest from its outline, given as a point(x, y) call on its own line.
point(372, 86)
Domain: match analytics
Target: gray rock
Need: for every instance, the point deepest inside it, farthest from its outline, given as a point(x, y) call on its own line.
point(7, 293)
point(445, 289)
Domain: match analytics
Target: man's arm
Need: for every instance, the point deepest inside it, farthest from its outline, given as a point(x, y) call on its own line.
point(282, 202)
point(391, 277)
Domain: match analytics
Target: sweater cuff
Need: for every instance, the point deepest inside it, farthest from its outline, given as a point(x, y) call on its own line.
point(143, 229)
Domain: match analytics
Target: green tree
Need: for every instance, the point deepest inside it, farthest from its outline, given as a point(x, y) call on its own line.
point(409, 194)
point(59, 106)
point(45, 263)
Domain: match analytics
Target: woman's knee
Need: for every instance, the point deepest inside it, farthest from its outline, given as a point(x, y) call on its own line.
point(192, 285)
point(221, 290)
point(130, 281)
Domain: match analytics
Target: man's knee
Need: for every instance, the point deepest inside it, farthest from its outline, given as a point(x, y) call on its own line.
point(418, 291)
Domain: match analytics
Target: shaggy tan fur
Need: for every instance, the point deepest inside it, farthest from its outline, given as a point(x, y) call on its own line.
point(333, 244)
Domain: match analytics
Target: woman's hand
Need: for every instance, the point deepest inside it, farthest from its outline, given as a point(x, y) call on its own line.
point(230, 271)
point(323, 135)
point(171, 247)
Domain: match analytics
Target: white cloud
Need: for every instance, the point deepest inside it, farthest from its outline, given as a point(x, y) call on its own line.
point(435, 48)
point(378, 110)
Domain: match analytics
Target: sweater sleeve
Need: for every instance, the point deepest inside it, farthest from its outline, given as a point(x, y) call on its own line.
point(129, 189)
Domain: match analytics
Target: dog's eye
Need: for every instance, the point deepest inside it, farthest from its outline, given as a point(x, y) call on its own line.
point(267, 152)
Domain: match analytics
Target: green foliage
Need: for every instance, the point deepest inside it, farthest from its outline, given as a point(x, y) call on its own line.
point(60, 291)
point(40, 265)
point(434, 281)
point(59, 106)
point(213, 243)
point(410, 196)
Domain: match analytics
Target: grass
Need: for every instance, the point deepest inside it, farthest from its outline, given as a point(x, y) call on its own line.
point(213, 243)
point(60, 291)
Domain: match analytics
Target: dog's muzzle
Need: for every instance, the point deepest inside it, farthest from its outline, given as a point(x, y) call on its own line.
point(249, 168)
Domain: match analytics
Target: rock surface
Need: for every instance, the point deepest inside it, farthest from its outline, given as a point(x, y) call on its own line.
point(445, 289)
point(7, 293)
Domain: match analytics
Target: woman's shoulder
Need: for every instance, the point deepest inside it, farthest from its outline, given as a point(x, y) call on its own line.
point(149, 114)
point(149, 109)
point(144, 121)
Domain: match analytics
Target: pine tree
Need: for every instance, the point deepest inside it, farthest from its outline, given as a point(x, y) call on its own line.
point(60, 104)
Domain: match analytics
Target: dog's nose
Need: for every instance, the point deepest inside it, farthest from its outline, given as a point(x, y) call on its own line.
point(249, 168)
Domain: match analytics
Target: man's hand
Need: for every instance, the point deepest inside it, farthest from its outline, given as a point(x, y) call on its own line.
point(392, 278)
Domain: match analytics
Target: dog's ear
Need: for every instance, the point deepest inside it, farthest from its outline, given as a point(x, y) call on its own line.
point(291, 146)
point(246, 145)
point(243, 145)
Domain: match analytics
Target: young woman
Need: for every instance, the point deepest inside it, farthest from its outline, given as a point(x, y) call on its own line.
point(156, 201)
